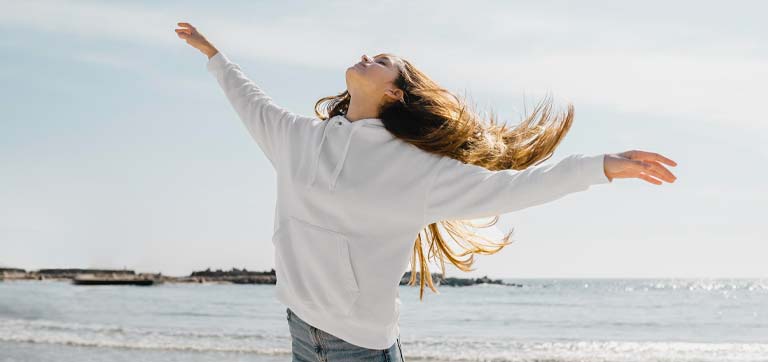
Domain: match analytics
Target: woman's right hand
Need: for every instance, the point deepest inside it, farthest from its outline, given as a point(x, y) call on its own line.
point(195, 39)
point(638, 164)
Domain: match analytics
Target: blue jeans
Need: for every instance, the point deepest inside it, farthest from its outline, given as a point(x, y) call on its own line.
point(309, 344)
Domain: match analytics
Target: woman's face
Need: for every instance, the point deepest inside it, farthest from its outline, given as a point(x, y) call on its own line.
point(372, 79)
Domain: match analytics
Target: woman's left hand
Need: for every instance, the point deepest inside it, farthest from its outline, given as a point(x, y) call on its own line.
point(196, 39)
point(638, 164)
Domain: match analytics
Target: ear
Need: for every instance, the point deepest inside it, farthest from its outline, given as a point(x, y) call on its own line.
point(395, 93)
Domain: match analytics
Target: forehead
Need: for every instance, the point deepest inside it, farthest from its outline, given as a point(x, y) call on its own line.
point(389, 57)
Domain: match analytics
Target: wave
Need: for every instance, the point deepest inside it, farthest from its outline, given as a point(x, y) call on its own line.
point(472, 350)
point(111, 336)
point(448, 348)
point(144, 345)
point(39, 325)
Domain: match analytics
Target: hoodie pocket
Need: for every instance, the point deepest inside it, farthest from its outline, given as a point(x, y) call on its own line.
point(314, 266)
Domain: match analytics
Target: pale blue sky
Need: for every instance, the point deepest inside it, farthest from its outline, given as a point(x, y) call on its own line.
point(119, 149)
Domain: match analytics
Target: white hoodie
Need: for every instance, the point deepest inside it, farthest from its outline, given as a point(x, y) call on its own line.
point(351, 199)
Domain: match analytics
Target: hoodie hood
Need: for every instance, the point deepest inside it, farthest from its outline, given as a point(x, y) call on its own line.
point(339, 121)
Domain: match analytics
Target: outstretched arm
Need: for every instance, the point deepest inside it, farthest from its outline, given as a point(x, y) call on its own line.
point(466, 191)
point(268, 123)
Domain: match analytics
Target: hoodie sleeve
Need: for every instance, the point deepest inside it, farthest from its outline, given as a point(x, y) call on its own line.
point(463, 191)
point(268, 123)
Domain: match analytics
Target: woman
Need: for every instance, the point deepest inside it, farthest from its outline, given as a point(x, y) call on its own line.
point(390, 157)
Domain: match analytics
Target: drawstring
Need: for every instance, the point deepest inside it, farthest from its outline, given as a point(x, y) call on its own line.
point(340, 164)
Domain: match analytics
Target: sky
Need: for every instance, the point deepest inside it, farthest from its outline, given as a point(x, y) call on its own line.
point(119, 149)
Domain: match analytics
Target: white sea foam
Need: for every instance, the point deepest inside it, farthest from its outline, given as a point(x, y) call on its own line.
point(443, 349)
point(545, 320)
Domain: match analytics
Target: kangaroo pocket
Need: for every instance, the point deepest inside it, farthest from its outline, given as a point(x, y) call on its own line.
point(313, 264)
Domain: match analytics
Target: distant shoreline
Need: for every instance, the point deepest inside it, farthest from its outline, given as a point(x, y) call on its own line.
point(233, 276)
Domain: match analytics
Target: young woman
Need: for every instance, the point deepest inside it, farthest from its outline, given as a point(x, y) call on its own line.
point(380, 165)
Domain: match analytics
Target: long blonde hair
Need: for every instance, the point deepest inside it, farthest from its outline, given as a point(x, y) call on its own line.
point(435, 120)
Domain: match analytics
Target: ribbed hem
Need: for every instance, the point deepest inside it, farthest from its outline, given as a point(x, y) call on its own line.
point(383, 337)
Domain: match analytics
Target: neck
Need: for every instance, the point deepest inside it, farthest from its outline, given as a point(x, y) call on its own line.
point(358, 110)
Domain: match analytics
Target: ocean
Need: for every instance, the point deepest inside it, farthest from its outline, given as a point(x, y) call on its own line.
point(544, 320)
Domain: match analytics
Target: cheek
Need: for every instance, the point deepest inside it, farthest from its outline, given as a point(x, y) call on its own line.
point(379, 78)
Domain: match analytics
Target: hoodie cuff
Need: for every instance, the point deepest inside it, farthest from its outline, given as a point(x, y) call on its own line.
point(217, 62)
point(593, 169)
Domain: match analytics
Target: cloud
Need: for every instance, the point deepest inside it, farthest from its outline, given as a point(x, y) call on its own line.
point(691, 66)
point(724, 89)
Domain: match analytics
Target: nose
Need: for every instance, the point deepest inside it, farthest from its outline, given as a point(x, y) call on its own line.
point(365, 58)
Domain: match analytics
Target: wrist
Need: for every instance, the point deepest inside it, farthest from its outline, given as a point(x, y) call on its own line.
point(605, 170)
point(209, 51)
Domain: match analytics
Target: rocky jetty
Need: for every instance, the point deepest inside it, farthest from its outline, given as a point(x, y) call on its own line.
point(62, 274)
point(112, 279)
point(437, 279)
point(127, 276)
point(12, 273)
point(74, 272)
point(234, 276)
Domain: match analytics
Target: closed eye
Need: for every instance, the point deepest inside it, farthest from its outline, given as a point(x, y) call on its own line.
point(383, 61)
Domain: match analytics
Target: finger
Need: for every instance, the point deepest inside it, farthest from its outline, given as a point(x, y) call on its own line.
point(651, 156)
point(664, 159)
point(186, 25)
point(649, 179)
point(186, 31)
point(647, 167)
point(661, 172)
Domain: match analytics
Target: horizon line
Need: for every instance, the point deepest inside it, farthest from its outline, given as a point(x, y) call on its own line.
point(447, 275)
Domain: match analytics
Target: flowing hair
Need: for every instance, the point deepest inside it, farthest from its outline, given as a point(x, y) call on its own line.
point(435, 120)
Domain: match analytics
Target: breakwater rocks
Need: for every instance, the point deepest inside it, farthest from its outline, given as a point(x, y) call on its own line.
point(65, 274)
point(12, 273)
point(235, 276)
point(127, 276)
point(438, 279)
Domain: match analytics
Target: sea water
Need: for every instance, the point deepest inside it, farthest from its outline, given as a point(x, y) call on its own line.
point(544, 320)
